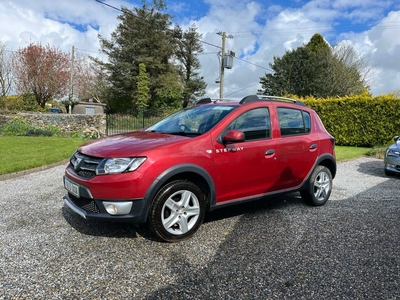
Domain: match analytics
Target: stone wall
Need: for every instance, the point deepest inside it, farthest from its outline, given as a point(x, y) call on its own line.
point(65, 122)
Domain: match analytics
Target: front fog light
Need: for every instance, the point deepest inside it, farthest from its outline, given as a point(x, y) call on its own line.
point(111, 209)
point(118, 208)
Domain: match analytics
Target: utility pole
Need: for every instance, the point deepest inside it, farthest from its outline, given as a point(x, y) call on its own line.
point(71, 79)
point(221, 79)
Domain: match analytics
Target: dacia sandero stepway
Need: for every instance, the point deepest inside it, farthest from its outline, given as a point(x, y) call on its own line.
point(213, 154)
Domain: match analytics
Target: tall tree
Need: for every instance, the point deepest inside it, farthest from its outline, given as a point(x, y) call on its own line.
point(291, 76)
point(351, 70)
point(189, 46)
point(316, 69)
point(83, 77)
point(143, 36)
point(6, 72)
point(42, 71)
point(99, 85)
point(143, 87)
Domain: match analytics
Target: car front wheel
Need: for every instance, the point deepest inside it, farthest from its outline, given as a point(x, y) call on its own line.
point(319, 187)
point(177, 211)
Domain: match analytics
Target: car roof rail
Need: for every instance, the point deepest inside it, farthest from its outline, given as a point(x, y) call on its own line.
point(204, 101)
point(254, 98)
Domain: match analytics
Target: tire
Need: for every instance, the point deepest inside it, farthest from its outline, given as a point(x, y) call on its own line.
point(319, 187)
point(177, 211)
point(388, 173)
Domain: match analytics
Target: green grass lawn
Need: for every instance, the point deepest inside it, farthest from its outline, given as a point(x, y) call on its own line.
point(24, 152)
point(346, 153)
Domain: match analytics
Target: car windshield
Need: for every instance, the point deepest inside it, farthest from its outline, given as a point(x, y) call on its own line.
point(193, 121)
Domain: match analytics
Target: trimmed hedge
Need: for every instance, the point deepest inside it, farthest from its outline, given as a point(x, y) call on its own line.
point(362, 121)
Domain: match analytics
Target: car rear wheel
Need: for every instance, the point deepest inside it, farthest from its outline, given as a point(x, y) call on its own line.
point(177, 211)
point(319, 187)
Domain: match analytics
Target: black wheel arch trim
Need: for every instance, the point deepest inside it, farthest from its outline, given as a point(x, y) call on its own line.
point(171, 172)
point(331, 165)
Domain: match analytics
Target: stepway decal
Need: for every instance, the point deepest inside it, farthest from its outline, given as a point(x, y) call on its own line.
point(233, 149)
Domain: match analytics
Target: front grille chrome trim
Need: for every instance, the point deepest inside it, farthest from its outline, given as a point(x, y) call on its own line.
point(83, 165)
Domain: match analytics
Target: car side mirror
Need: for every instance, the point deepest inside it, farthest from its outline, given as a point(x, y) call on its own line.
point(396, 137)
point(233, 136)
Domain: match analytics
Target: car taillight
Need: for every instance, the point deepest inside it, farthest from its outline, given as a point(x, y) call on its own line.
point(332, 141)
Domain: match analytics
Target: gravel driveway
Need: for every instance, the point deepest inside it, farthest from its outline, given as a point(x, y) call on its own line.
point(277, 248)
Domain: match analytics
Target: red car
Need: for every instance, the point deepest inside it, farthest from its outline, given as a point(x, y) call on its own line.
point(214, 154)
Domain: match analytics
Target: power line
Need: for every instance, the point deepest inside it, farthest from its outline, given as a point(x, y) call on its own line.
point(211, 44)
point(202, 53)
point(109, 5)
point(84, 50)
point(253, 64)
point(241, 89)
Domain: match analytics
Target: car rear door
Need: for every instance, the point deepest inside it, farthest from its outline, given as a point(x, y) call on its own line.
point(297, 147)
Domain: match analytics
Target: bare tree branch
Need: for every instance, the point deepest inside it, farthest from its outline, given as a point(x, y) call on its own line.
point(6, 71)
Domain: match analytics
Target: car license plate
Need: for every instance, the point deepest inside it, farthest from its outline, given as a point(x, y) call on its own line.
point(71, 187)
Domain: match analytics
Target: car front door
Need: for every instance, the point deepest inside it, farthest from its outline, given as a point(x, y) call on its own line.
point(246, 169)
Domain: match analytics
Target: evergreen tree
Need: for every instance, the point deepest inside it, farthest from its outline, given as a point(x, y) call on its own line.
point(143, 36)
point(142, 87)
point(187, 50)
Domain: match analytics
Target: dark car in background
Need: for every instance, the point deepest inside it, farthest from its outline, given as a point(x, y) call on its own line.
point(56, 110)
point(392, 158)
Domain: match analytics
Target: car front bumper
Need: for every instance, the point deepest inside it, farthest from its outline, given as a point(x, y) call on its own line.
point(392, 164)
point(80, 201)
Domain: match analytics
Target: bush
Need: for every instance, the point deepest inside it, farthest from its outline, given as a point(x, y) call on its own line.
point(362, 121)
point(16, 126)
point(25, 102)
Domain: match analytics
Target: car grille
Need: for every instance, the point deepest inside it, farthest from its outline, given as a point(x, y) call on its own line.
point(84, 165)
point(84, 203)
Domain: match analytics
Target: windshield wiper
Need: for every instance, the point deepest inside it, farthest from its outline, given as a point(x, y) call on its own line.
point(183, 133)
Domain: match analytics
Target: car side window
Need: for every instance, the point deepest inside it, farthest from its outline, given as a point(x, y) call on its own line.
point(255, 124)
point(293, 121)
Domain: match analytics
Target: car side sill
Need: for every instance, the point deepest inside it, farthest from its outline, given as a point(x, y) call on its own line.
point(252, 198)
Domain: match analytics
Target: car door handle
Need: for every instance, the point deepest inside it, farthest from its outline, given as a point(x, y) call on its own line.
point(270, 152)
point(313, 146)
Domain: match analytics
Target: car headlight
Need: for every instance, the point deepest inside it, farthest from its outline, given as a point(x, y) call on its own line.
point(119, 165)
point(392, 152)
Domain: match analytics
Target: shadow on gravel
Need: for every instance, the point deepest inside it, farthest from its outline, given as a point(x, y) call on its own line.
point(128, 230)
point(255, 206)
point(98, 228)
point(373, 167)
point(283, 249)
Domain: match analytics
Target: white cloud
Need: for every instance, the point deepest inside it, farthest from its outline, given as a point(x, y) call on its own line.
point(61, 24)
point(381, 44)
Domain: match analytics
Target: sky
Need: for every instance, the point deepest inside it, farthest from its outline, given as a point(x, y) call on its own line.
point(257, 31)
